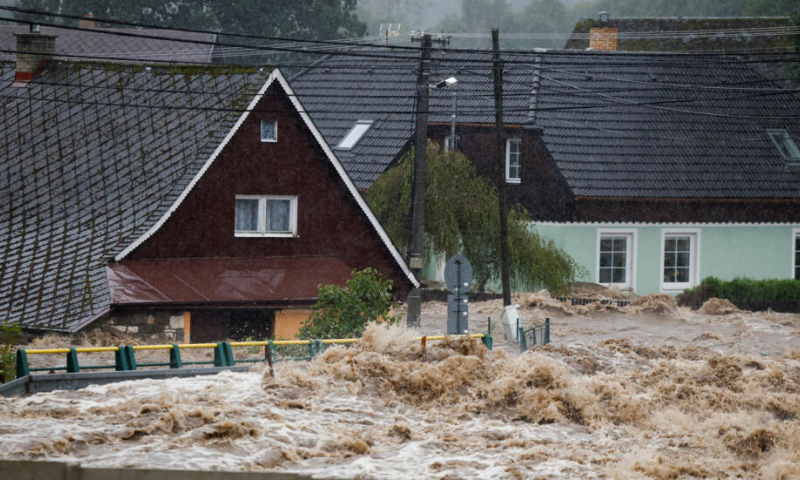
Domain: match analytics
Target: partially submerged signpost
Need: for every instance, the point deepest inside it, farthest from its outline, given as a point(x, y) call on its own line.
point(458, 278)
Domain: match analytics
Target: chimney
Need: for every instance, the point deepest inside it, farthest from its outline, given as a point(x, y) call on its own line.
point(87, 21)
point(33, 50)
point(604, 38)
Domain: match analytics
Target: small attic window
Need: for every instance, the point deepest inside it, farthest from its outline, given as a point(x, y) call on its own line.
point(269, 131)
point(785, 144)
point(354, 135)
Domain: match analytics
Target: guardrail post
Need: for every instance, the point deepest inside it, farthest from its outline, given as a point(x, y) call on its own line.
point(175, 357)
point(546, 331)
point(320, 347)
point(130, 353)
point(523, 344)
point(72, 361)
point(23, 368)
point(220, 359)
point(121, 359)
point(487, 338)
point(229, 353)
point(270, 353)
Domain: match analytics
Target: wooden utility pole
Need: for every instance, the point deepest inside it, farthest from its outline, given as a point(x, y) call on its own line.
point(416, 235)
point(500, 165)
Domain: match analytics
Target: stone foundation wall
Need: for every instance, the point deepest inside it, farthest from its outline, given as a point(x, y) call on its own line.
point(152, 325)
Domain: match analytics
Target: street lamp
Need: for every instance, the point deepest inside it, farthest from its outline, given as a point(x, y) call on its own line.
point(447, 83)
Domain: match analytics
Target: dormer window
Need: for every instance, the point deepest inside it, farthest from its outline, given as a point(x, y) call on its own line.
point(785, 144)
point(269, 131)
point(354, 135)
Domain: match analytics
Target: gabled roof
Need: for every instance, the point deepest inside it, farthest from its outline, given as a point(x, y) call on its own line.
point(616, 124)
point(96, 157)
point(102, 43)
point(92, 156)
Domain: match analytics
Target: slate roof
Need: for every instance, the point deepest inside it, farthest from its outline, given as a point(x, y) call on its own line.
point(688, 143)
point(125, 48)
point(89, 162)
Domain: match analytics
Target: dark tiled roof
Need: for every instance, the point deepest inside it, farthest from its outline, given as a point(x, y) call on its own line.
point(613, 149)
point(687, 34)
point(125, 48)
point(85, 175)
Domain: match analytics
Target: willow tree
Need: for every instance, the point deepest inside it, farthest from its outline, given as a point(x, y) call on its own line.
point(461, 216)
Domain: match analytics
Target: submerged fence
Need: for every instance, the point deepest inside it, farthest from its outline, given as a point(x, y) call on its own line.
point(537, 335)
point(274, 351)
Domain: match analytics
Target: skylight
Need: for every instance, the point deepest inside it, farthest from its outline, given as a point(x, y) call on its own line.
point(785, 144)
point(354, 135)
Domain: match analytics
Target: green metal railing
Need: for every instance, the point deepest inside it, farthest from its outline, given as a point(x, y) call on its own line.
point(125, 355)
point(537, 335)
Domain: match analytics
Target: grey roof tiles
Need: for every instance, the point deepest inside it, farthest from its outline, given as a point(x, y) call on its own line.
point(698, 131)
point(89, 160)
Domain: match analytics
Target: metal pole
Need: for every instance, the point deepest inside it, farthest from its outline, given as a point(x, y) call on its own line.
point(505, 257)
point(453, 125)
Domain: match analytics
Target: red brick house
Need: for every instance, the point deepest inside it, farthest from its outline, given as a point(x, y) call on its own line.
point(190, 202)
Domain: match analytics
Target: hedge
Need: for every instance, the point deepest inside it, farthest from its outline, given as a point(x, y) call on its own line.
point(747, 294)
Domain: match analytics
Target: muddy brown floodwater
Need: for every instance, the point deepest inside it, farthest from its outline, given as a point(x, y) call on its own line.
point(650, 391)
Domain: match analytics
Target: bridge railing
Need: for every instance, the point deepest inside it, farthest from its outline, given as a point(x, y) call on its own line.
point(537, 335)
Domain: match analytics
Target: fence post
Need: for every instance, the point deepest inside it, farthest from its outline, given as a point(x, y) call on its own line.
point(229, 353)
point(546, 331)
point(487, 339)
point(23, 368)
point(523, 344)
point(175, 357)
point(121, 359)
point(271, 354)
point(518, 329)
point(131, 354)
point(533, 331)
point(72, 361)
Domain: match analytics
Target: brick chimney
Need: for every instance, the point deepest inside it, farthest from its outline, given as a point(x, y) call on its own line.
point(33, 50)
point(604, 38)
point(87, 21)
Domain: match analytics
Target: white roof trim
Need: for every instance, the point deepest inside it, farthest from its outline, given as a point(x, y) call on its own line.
point(667, 224)
point(277, 75)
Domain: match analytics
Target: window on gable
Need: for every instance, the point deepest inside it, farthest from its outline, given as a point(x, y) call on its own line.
point(513, 158)
point(785, 144)
point(266, 216)
point(448, 140)
point(269, 131)
point(354, 135)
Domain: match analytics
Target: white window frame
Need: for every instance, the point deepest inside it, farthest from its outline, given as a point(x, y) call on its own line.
point(268, 140)
point(447, 141)
point(694, 259)
point(630, 273)
point(341, 145)
point(795, 236)
point(508, 160)
point(772, 132)
point(262, 216)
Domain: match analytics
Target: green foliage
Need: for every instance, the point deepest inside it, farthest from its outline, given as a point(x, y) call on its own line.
point(10, 334)
point(344, 312)
point(746, 293)
point(307, 19)
point(462, 216)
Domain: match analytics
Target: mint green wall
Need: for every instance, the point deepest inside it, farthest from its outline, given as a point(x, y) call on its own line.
point(725, 251)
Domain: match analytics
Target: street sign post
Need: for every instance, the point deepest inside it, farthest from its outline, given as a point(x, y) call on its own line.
point(458, 278)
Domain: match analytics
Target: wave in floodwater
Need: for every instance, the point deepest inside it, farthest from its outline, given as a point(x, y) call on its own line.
point(387, 409)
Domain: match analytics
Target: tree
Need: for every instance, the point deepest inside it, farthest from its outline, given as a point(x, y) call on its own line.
point(344, 312)
point(307, 19)
point(462, 216)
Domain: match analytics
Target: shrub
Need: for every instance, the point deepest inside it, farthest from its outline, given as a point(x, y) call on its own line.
point(10, 334)
point(344, 312)
point(779, 295)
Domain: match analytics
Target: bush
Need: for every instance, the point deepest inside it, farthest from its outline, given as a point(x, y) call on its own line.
point(10, 334)
point(779, 295)
point(344, 312)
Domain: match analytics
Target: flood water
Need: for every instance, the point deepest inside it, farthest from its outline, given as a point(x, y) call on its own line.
point(386, 409)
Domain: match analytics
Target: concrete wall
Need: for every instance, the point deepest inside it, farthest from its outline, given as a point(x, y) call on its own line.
point(756, 251)
point(288, 322)
point(156, 324)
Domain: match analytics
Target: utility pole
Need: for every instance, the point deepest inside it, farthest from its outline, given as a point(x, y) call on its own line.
point(416, 236)
point(500, 165)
